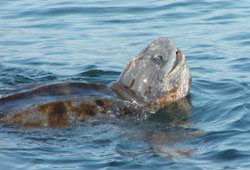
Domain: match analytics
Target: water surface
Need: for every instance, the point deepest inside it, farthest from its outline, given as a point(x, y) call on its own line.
point(92, 41)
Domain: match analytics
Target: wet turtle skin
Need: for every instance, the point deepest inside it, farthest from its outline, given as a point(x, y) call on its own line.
point(155, 78)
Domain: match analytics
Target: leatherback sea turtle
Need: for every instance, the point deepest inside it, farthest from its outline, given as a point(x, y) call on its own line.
point(153, 79)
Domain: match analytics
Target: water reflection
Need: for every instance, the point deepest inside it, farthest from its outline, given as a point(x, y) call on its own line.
point(164, 132)
point(46, 42)
point(176, 113)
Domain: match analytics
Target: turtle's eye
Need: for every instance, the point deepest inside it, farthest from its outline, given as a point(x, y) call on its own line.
point(158, 59)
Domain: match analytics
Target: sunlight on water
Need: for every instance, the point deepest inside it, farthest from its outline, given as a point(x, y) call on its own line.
point(92, 41)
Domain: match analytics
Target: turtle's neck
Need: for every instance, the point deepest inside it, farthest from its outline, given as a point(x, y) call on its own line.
point(123, 92)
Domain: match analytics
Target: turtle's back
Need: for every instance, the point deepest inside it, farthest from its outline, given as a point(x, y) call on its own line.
point(58, 105)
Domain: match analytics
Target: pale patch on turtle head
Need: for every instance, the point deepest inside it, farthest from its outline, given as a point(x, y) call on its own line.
point(158, 74)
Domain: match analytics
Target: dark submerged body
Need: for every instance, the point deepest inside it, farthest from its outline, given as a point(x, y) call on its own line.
point(155, 78)
point(62, 104)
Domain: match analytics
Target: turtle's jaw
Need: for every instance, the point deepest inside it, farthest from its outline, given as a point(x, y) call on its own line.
point(176, 82)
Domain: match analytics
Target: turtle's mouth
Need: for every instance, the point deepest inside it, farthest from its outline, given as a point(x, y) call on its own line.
point(177, 81)
point(180, 60)
point(172, 78)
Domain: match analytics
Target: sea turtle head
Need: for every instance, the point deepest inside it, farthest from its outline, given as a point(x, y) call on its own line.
point(158, 74)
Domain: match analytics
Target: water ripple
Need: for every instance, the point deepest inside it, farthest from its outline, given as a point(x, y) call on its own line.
point(92, 41)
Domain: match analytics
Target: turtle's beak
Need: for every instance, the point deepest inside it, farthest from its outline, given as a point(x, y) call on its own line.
point(177, 81)
point(180, 60)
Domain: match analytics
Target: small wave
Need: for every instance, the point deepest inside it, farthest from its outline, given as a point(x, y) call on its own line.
point(226, 155)
point(11, 77)
point(97, 76)
point(99, 73)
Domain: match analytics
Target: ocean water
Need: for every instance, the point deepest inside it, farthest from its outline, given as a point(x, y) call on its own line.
point(92, 41)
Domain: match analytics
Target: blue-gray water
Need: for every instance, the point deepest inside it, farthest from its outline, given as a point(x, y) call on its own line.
point(92, 41)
